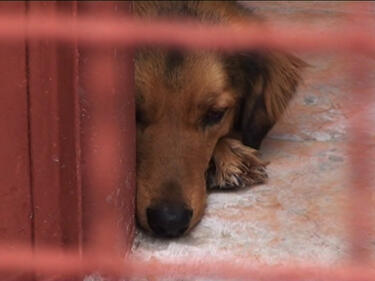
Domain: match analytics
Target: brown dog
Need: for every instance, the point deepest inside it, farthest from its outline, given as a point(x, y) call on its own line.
point(201, 115)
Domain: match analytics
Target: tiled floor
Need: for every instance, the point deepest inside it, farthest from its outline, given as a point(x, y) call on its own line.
point(299, 212)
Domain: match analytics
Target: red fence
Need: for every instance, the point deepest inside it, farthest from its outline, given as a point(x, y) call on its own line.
point(89, 134)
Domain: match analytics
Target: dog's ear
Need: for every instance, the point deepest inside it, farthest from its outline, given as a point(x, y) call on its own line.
point(267, 81)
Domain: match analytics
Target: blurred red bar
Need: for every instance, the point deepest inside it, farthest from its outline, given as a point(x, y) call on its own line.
point(209, 267)
point(361, 152)
point(108, 131)
point(361, 147)
point(133, 32)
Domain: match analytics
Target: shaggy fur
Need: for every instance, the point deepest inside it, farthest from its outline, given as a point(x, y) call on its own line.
point(201, 115)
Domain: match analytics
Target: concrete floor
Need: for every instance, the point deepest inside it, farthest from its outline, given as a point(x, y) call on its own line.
point(299, 213)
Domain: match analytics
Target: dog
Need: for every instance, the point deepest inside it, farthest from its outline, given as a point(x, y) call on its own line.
point(202, 115)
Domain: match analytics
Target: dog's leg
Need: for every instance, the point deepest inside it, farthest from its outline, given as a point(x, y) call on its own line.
point(234, 165)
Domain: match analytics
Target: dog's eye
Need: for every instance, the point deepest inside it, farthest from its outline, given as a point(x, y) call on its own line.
point(213, 117)
point(139, 117)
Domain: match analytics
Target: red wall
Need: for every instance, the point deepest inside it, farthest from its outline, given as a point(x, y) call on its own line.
point(46, 185)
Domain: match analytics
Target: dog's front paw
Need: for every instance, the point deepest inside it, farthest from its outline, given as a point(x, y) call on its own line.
point(235, 165)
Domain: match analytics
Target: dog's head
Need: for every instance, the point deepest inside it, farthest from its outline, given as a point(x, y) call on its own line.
point(187, 101)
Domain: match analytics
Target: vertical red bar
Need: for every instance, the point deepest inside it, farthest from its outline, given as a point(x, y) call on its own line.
point(53, 135)
point(108, 138)
point(361, 148)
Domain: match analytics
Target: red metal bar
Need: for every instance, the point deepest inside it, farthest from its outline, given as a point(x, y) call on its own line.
point(361, 150)
point(108, 140)
point(68, 264)
point(352, 37)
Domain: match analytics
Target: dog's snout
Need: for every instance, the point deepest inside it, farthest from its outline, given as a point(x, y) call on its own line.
point(169, 220)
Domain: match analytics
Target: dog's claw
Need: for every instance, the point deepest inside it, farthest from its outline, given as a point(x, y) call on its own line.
point(235, 166)
point(249, 176)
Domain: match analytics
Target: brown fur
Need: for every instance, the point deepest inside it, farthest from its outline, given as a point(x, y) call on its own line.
point(179, 92)
point(235, 165)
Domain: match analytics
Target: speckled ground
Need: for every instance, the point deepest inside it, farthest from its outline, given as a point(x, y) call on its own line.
point(299, 212)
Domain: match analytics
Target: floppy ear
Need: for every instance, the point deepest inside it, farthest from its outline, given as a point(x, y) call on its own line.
point(267, 82)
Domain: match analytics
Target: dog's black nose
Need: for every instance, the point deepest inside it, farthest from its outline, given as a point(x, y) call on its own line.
point(169, 220)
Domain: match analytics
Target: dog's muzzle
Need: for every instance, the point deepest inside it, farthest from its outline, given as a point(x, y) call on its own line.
point(168, 219)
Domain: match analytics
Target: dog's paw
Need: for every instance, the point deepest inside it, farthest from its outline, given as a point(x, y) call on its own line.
point(234, 166)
